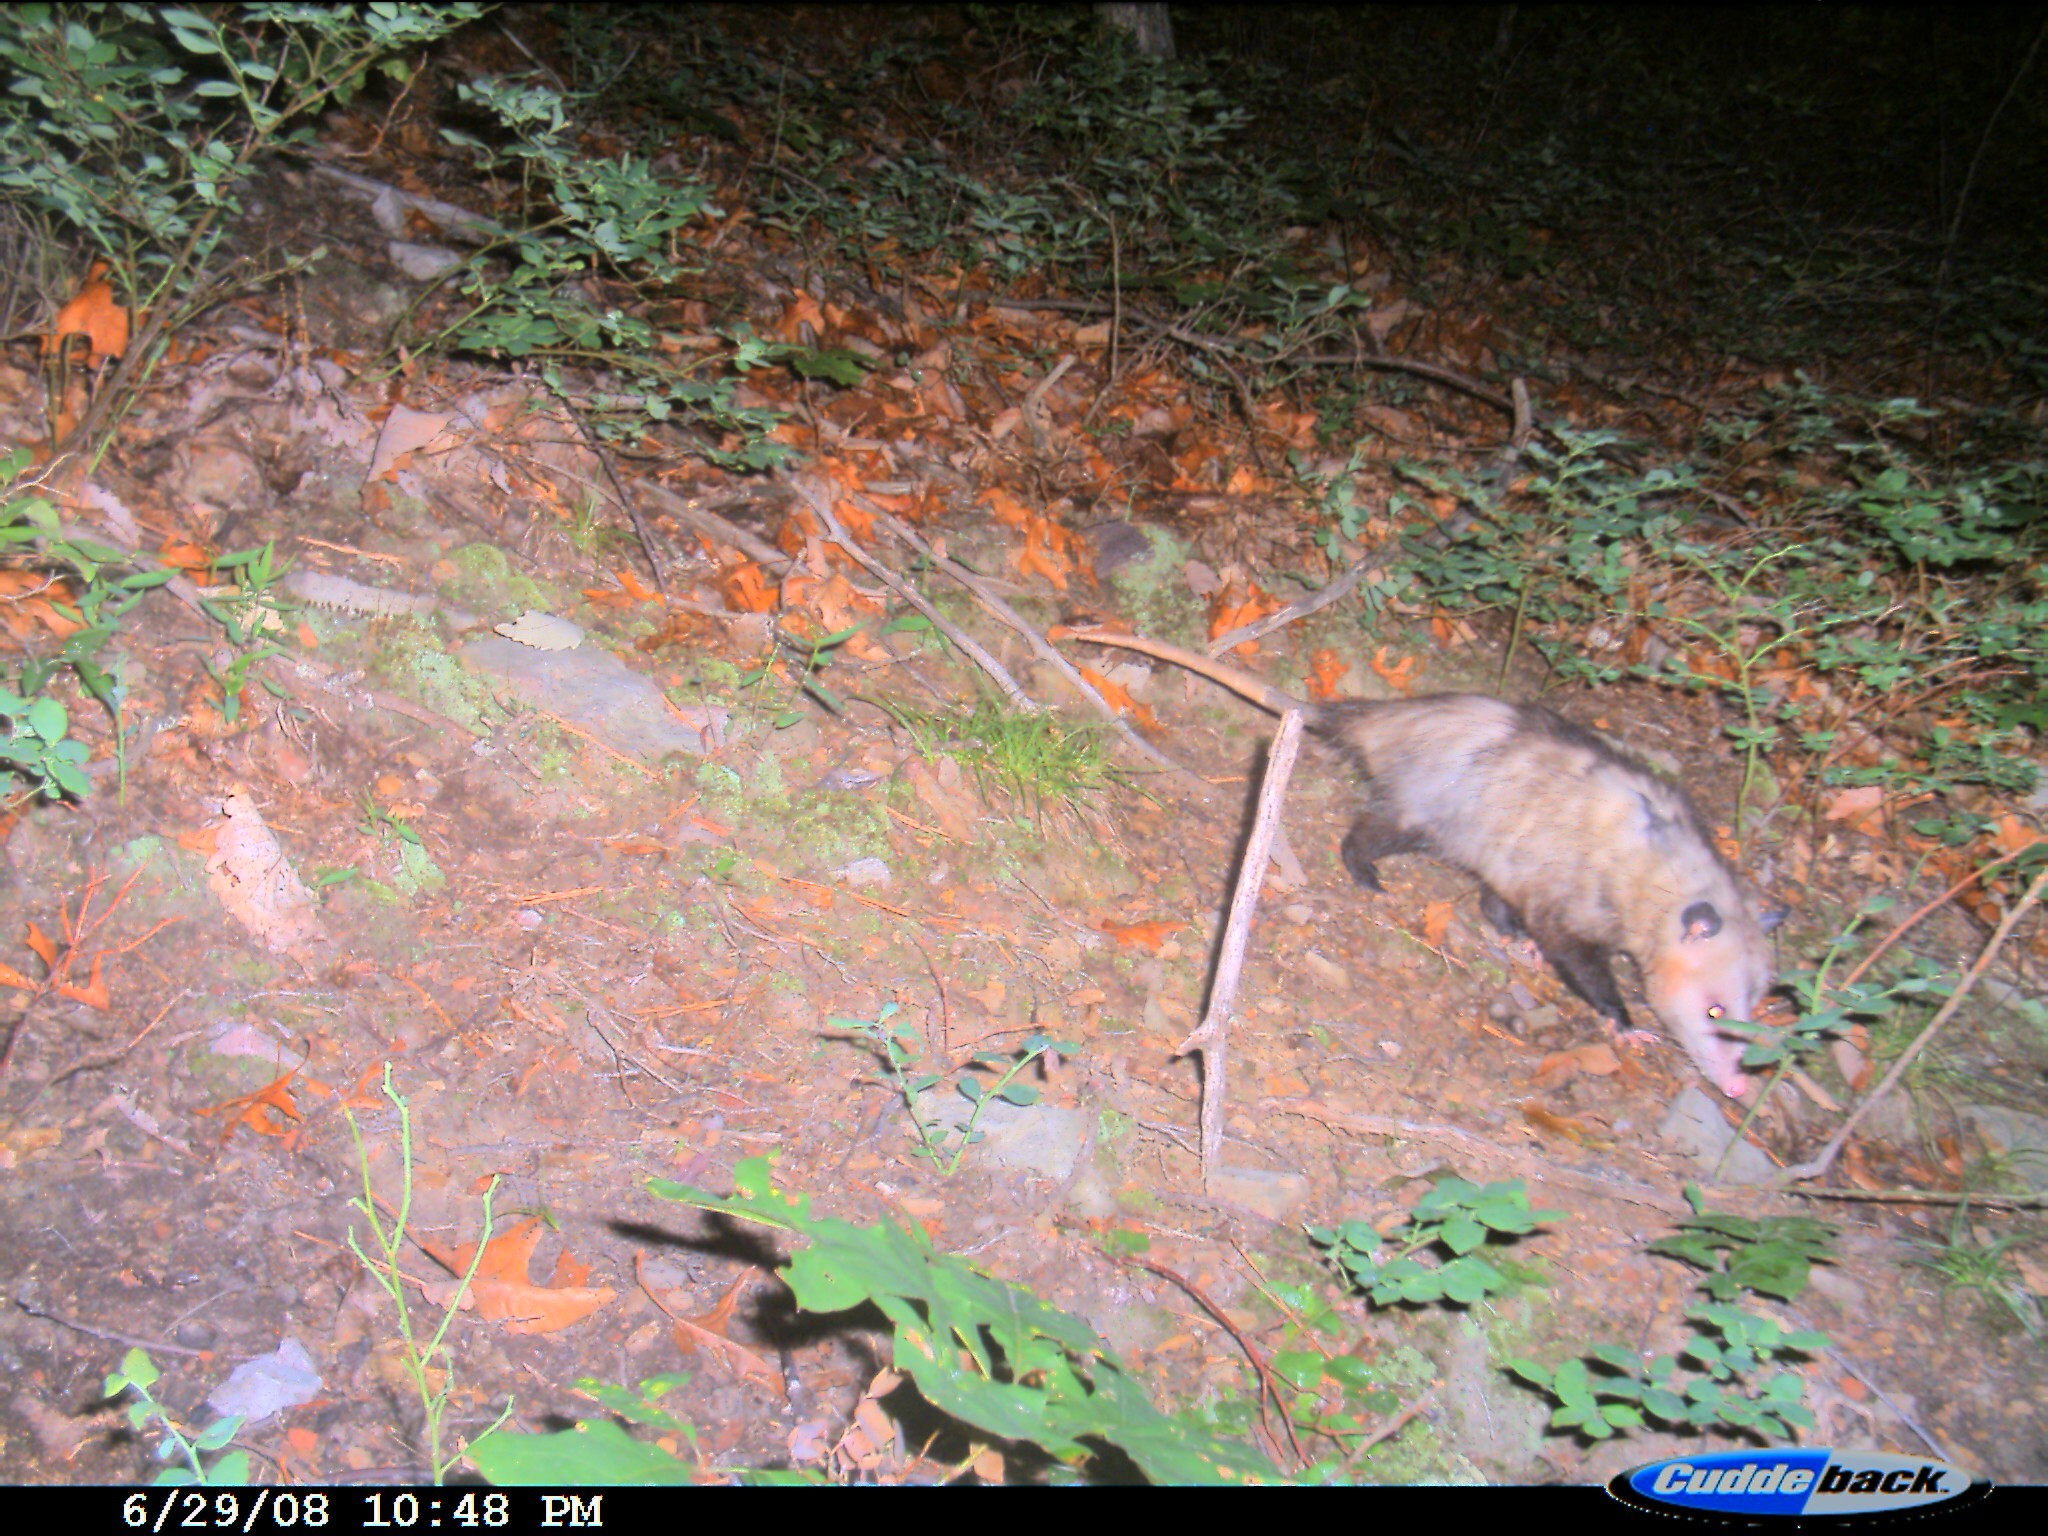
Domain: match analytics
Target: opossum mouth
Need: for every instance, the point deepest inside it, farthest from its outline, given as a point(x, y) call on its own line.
point(1720, 1058)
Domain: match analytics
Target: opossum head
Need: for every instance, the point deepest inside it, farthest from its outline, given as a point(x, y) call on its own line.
point(1711, 968)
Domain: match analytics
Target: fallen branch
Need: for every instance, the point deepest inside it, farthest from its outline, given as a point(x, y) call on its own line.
point(1038, 643)
point(1209, 1036)
point(685, 510)
point(819, 497)
point(1377, 362)
point(1280, 618)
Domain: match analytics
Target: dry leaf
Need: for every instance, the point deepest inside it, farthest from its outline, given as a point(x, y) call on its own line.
point(94, 315)
point(746, 590)
point(1146, 936)
point(404, 433)
point(1862, 807)
point(501, 1290)
point(1325, 670)
point(1119, 700)
point(1401, 675)
point(1436, 919)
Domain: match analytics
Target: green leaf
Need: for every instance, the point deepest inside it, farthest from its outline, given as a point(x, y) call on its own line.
point(595, 1452)
point(136, 1366)
point(1619, 1357)
point(1301, 1369)
point(1461, 1235)
point(217, 1434)
point(47, 719)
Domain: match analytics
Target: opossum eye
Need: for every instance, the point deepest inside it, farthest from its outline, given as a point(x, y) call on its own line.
point(1716, 1011)
point(1699, 921)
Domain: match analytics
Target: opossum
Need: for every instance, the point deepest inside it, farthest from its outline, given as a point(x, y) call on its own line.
point(1575, 845)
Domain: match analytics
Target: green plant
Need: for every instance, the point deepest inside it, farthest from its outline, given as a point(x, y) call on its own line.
point(250, 608)
point(1827, 1006)
point(812, 656)
point(85, 592)
point(596, 1451)
point(423, 1360)
point(619, 218)
point(138, 1373)
point(136, 127)
point(1455, 1216)
point(1323, 1387)
point(1967, 1264)
point(1039, 759)
point(995, 1358)
point(37, 744)
point(991, 1355)
point(379, 822)
point(1718, 1380)
point(944, 1146)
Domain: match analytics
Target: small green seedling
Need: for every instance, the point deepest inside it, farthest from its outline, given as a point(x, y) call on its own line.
point(896, 1045)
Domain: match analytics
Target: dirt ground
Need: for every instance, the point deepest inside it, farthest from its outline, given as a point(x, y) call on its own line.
point(597, 920)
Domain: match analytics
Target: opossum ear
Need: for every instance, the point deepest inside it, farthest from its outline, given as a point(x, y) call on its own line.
point(1699, 921)
point(1768, 918)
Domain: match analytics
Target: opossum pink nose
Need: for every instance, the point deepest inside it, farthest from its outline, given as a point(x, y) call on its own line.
point(1734, 1084)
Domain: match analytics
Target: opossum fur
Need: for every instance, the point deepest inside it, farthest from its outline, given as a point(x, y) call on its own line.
point(1574, 844)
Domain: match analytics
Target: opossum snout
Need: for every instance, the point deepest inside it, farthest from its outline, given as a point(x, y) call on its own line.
point(1713, 979)
point(1720, 1058)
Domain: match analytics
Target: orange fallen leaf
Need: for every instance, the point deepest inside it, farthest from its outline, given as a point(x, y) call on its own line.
point(93, 314)
point(1436, 918)
point(1325, 670)
point(184, 555)
point(1008, 510)
point(29, 599)
point(2009, 834)
point(39, 941)
point(801, 310)
point(1145, 936)
point(747, 590)
point(1862, 807)
point(710, 1331)
point(1228, 611)
point(269, 1111)
point(93, 994)
point(1119, 699)
point(1401, 674)
point(501, 1290)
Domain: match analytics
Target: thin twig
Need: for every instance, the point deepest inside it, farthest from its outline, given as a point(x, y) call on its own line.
point(818, 496)
point(1232, 638)
point(1039, 646)
point(1820, 1164)
point(1269, 1389)
point(156, 1346)
point(685, 510)
point(1913, 919)
point(1208, 1037)
point(604, 460)
point(1034, 401)
point(1377, 362)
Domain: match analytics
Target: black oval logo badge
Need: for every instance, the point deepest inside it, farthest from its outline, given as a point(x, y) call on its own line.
point(1801, 1484)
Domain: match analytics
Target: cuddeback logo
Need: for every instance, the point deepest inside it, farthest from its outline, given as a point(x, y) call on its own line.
point(1799, 1484)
